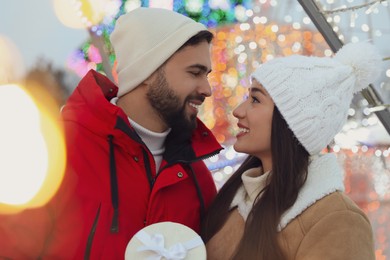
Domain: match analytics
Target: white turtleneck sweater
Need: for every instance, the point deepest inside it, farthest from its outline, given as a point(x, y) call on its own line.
point(153, 140)
point(253, 180)
point(324, 177)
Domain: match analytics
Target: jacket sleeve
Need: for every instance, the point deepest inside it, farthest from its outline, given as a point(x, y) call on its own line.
point(22, 234)
point(344, 234)
point(47, 232)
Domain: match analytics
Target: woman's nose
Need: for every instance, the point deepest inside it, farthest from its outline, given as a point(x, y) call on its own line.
point(238, 112)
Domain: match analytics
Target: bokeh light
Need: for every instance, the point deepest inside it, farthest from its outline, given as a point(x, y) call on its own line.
point(67, 15)
point(11, 61)
point(32, 151)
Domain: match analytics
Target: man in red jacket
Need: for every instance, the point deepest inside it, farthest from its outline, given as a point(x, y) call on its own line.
point(135, 150)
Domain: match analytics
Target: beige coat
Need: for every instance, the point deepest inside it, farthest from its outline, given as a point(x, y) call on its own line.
point(332, 228)
point(329, 227)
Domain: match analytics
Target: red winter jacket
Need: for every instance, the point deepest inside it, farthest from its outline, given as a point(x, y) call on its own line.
point(116, 190)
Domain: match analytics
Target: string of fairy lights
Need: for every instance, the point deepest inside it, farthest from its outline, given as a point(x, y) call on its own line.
point(372, 5)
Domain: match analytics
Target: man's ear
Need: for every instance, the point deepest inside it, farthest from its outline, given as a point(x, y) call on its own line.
point(149, 79)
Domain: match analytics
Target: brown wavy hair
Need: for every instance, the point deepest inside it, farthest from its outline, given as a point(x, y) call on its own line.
point(290, 162)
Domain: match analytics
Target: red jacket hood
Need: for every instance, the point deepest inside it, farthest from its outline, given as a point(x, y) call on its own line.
point(92, 96)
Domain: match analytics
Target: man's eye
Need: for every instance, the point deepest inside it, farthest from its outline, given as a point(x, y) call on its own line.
point(195, 73)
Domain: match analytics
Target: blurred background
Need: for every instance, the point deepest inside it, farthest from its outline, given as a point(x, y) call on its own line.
point(46, 46)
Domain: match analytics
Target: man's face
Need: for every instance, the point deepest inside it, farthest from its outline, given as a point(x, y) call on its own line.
point(180, 86)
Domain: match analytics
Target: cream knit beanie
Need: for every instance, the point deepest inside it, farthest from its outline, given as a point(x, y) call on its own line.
point(144, 39)
point(314, 93)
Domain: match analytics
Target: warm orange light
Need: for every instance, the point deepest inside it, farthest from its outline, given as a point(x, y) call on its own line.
point(32, 151)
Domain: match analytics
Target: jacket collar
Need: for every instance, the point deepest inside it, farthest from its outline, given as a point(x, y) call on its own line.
point(93, 95)
point(324, 177)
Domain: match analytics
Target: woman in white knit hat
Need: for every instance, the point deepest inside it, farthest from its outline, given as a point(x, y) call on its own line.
point(286, 201)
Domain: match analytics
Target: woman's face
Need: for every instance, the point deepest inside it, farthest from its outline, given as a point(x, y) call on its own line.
point(255, 123)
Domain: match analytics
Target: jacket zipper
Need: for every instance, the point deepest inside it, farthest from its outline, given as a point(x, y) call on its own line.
point(91, 235)
point(204, 157)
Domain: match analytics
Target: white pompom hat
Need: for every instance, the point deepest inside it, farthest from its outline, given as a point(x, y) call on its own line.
point(144, 39)
point(314, 93)
point(166, 241)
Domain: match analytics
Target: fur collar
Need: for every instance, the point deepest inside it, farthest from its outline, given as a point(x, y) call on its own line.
point(324, 177)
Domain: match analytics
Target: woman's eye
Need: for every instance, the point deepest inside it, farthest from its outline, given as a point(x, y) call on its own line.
point(254, 100)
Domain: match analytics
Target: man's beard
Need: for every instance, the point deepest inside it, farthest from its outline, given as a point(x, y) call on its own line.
point(168, 105)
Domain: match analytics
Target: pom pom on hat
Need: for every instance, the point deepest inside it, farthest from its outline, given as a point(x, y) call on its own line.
point(364, 59)
point(144, 39)
point(313, 94)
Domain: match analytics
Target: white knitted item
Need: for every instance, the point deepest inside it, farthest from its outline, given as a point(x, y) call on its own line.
point(364, 64)
point(314, 93)
point(144, 39)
